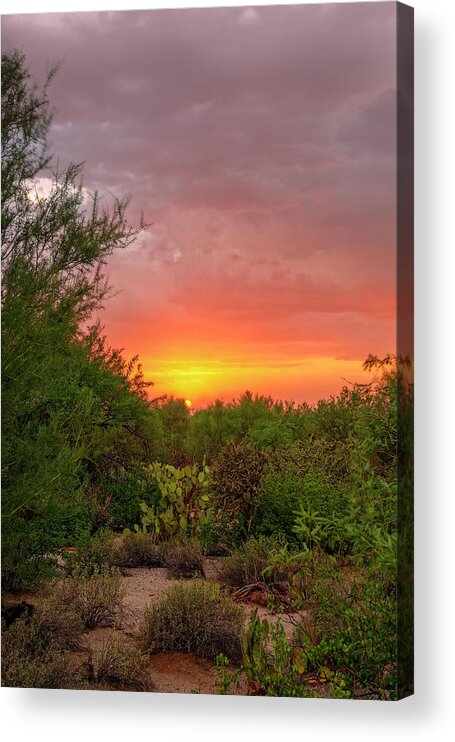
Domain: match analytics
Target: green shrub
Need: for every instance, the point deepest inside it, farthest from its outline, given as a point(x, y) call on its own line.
point(281, 495)
point(32, 657)
point(273, 432)
point(253, 563)
point(196, 619)
point(348, 629)
point(318, 515)
point(91, 557)
point(97, 596)
point(24, 571)
point(120, 667)
point(138, 550)
point(126, 493)
point(360, 648)
point(215, 532)
point(270, 666)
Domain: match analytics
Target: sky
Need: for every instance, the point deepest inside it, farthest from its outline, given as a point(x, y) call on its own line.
point(259, 143)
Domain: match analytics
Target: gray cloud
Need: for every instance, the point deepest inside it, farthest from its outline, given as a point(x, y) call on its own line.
point(245, 135)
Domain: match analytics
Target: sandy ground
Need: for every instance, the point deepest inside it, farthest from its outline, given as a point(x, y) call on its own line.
point(170, 672)
point(144, 586)
point(173, 672)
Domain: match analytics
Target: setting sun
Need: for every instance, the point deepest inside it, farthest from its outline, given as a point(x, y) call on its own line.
point(188, 403)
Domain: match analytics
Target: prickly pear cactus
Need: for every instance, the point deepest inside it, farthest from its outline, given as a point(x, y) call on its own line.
point(184, 505)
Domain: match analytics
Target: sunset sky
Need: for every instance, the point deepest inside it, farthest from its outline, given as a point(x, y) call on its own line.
point(260, 145)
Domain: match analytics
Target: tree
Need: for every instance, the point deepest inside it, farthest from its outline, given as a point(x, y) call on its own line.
point(73, 410)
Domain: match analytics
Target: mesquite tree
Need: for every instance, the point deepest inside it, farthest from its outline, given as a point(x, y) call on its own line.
point(73, 410)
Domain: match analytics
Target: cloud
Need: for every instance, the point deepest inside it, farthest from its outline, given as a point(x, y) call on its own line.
point(248, 17)
point(261, 145)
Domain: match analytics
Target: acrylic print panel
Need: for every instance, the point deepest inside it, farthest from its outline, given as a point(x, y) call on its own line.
point(207, 350)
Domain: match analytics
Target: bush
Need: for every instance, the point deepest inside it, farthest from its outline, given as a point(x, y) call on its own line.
point(184, 560)
point(214, 533)
point(253, 563)
point(23, 571)
point(280, 498)
point(59, 624)
point(138, 550)
point(237, 474)
point(353, 632)
point(32, 658)
point(285, 495)
point(119, 667)
point(96, 597)
point(269, 665)
point(125, 496)
point(196, 619)
point(95, 555)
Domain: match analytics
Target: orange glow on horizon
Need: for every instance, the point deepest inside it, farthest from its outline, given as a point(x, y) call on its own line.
point(199, 381)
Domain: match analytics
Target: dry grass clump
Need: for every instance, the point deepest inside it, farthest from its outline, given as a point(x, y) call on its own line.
point(138, 550)
point(184, 560)
point(120, 667)
point(33, 658)
point(97, 598)
point(196, 619)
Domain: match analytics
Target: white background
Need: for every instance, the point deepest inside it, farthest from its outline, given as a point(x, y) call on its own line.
point(68, 715)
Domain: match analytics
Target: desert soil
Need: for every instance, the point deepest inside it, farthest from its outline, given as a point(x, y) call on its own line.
point(170, 672)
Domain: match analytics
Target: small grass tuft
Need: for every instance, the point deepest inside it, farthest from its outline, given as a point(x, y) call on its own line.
point(185, 560)
point(97, 598)
point(138, 550)
point(119, 667)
